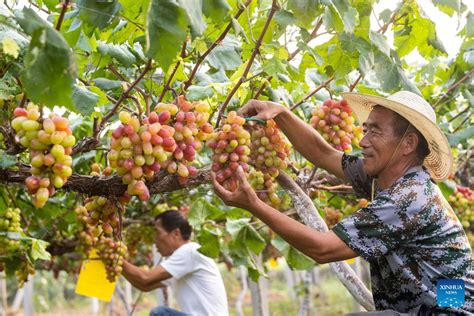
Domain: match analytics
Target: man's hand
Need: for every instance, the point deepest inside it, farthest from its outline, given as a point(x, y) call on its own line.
point(244, 197)
point(265, 110)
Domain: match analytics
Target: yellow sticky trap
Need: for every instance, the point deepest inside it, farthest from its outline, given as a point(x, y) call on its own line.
point(92, 279)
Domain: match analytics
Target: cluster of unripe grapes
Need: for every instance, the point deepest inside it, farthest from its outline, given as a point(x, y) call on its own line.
point(100, 220)
point(268, 148)
point(462, 201)
point(334, 215)
point(50, 142)
point(23, 270)
point(268, 152)
point(335, 122)
point(230, 150)
point(265, 187)
point(139, 238)
point(189, 122)
point(98, 216)
point(89, 233)
point(9, 223)
point(167, 139)
point(111, 253)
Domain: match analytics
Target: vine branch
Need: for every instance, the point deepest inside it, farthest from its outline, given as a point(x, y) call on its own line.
point(255, 51)
point(453, 87)
point(321, 86)
point(121, 99)
point(167, 85)
point(214, 45)
point(64, 5)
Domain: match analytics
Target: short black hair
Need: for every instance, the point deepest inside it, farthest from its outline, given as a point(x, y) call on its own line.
point(172, 219)
point(400, 126)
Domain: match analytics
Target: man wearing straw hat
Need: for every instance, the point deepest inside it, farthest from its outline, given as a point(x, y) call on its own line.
point(408, 233)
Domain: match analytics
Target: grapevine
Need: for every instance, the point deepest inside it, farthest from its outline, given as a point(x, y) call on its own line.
point(50, 143)
point(230, 150)
point(335, 122)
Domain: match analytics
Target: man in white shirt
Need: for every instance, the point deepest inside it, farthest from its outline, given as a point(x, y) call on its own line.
point(195, 278)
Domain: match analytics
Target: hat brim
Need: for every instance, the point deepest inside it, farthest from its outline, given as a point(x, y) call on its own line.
point(439, 160)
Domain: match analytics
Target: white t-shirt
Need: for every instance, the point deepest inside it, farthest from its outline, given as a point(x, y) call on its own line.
point(196, 282)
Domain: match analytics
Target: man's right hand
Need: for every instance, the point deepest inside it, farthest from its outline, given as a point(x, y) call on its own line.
point(265, 110)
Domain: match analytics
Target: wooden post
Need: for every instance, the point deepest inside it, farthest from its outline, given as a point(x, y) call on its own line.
point(94, 306)
point(3, 282)
point(28, 302)
point(17, 300)
point(240, 299)
point(259, 292)
point(162, 294)
point(290, 281)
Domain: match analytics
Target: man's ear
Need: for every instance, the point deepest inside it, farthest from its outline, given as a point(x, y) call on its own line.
point(176, 233)
point(411, 142)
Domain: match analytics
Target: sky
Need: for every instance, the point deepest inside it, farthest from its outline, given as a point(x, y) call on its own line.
point(446, 26)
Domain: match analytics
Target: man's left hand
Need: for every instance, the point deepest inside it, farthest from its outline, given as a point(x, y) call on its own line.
point(244, 196)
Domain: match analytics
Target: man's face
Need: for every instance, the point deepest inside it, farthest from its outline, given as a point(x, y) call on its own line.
point(379, 142)
point(164, 240)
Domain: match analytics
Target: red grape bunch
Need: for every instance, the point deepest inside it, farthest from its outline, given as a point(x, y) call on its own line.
point(138, 149)
point(230, 149)
point(139, 239)
point(462, 201)
point(111, 253)
point(335, 122)
point(190, 124)
point(98, 216)
point(50, 144)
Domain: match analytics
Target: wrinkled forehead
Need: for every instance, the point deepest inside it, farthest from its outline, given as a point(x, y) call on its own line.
point(379, 117)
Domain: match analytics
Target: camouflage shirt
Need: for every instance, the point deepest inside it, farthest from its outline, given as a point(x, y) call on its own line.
point(410, 236)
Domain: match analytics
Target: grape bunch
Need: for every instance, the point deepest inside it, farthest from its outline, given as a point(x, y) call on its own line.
point(12, 250)
point(265, 187)
point(22, 271)
point(111, 253)
point(139, 239)
point(335, 122)
point(9, 223)
point(462, 201)
point(190, 124)
point(89, 232)
point(268, 148)
point(138, 149)
point(50, 143)
point(268, 152)
point(230, 149)
point(332, 216)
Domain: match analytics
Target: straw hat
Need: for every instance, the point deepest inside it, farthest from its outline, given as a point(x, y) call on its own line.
point(421, 115)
